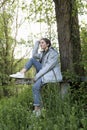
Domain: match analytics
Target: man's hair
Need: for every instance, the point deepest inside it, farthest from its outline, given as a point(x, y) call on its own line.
point(47, 41)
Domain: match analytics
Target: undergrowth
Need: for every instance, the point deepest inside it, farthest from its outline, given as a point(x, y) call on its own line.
point(67, 113)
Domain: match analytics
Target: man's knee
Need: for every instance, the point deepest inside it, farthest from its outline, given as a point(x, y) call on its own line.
point(33, 59)
point(35, 87)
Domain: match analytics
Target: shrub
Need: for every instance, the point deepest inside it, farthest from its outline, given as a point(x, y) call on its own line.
point(58, 113)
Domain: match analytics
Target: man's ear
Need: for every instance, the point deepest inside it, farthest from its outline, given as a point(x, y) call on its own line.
point(48, 44)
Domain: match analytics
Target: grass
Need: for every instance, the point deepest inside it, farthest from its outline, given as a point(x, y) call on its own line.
point(57, 114)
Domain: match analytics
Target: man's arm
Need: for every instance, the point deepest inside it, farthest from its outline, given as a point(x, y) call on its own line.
point(52, 61)
point(35, 53)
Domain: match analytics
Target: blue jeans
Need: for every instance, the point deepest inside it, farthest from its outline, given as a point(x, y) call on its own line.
point(38, 84)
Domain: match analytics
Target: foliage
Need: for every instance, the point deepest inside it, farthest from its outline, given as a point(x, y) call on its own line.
point(81, 4)
point(12, 109)
point(69, 113)
point(79, 93)
point(43, 14)
point(6, 41)
point(57, 114)
point(84, 46)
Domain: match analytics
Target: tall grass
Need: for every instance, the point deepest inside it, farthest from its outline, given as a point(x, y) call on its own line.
point(57, 114)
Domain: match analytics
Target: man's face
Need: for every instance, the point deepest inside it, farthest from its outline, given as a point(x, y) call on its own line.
point(43, 44)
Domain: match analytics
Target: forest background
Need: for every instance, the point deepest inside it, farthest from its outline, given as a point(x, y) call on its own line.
point(58, 21)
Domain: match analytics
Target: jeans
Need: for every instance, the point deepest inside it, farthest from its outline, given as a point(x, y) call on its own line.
point(38, 84)
point(35, 63)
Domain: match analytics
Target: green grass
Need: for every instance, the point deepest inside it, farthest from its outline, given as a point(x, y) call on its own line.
point(57, 114)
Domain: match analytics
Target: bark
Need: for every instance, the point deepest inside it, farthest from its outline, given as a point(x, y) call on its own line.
point(75, 37)
point(68, 36)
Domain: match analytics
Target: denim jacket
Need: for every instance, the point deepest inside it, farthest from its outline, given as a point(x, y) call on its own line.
point(50, 71)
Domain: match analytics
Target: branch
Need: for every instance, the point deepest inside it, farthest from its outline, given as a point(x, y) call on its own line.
point(22, 58)
point(13, 2)
point(15, 42)
point(4, 1)
point(2, 4)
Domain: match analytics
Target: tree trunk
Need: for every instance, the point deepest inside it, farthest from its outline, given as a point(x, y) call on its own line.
point(68, 36)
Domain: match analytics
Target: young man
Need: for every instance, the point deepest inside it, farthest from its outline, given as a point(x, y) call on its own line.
point(47, 68)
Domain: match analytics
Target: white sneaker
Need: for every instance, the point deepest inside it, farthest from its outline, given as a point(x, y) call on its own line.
point(17, 75)
point(37, 113)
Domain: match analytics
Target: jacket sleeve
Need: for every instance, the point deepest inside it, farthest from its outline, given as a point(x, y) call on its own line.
point(50, 64)
point(35, 53)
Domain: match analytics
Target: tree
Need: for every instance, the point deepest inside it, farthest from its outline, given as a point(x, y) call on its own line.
point(84, 47)
point(44, 14)
point(6, 40)
point(68, 35)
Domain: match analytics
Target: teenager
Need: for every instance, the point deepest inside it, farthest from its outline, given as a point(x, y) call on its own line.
point(47, 69)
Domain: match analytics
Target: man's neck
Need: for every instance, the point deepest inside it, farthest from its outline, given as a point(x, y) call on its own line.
point(46, 49)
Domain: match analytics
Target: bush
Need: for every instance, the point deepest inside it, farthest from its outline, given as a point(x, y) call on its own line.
point(57, 114)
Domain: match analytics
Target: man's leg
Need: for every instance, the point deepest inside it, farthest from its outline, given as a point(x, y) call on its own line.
point(27, 66)
point(36, 93)
point(33, 62)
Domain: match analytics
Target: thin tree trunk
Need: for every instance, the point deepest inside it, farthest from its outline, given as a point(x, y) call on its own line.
point(75, 37)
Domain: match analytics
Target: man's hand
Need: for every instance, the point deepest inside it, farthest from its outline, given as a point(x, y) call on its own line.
point(37, 42)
